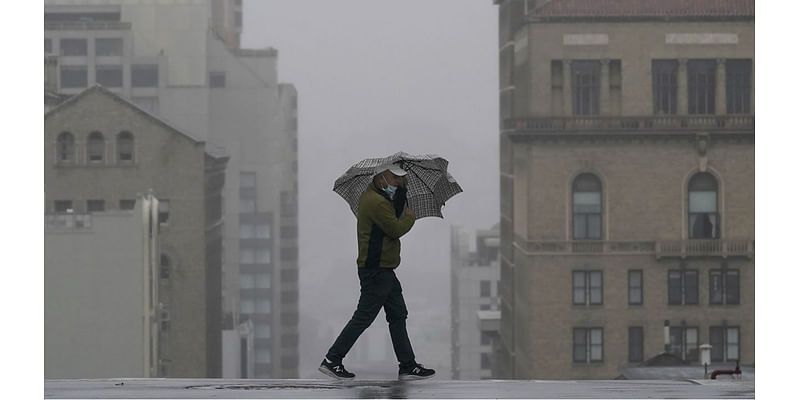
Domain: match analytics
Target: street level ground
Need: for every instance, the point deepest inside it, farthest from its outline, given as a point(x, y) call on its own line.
point(307, 388)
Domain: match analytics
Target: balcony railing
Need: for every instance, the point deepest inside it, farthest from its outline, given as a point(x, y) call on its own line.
point(705, 248)
point(632, 123)
point(666, 248)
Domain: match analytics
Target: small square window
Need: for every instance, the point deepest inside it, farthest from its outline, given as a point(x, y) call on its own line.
point(74, 76)
point(73, 47)
point(62, 206)
point(95, 205)
point(216, 79)
point(163, 211)
point(127, 204)
point(144, 75)
point(108, 47)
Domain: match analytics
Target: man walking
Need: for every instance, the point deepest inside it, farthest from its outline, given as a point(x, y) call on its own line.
point(380, 226)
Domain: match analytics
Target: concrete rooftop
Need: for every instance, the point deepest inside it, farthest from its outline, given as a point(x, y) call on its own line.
point(433, 388)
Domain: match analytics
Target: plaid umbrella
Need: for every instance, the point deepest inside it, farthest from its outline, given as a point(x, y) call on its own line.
point(428, 182)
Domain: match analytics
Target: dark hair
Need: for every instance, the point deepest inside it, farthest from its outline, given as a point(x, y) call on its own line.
point(375, 178)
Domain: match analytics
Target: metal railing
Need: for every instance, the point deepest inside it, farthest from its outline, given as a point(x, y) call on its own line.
point(706, 248)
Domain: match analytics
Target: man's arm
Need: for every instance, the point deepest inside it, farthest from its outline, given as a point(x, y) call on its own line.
point(384, 217)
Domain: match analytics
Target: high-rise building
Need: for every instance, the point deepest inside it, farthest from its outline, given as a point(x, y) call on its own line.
point(101, 153)
point(474, 301)
point(626, 184)
point(181, 60)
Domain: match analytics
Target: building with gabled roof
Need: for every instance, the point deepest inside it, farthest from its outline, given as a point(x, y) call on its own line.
point(101, 151)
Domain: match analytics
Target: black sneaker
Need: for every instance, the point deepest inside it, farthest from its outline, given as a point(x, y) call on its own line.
point(415, 372)
point(335, 370)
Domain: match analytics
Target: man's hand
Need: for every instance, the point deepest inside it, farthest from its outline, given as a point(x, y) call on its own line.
point(409, 212)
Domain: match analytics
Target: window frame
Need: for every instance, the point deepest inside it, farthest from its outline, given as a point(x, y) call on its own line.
point(585, 333)
point(101, 69)
point(738, 88)
point(586, 287)
point(126, 135)
point(96, 146)
point(640, 287)
point(81, 83)
point(65, 139)
point(586, 180)
point(665, 86)
point(635, 347)
point(724, 346)
point(585, 75)
point(62, 49)
point(701, 75)
point(140, 77)
point(684, 351)
point(702, 182)
point(684, 300)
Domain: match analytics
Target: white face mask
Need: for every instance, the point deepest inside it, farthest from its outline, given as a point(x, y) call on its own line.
point(389, 189)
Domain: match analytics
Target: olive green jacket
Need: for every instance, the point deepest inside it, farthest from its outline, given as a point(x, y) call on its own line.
point(379, 230)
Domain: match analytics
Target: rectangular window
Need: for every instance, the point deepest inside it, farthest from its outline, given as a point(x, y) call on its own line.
point(732, 286)
point(62, 206)
point(683, 342)
point(247, 231)
point(585, 87)
point(263, 231)
point(587, 344)
point(724, 343)
point(702, 86)
point(144, 75)
point(485, 339)
point(263, 256)
point(703, 224)
point(587, 287)
point(578, 287)
point(737, 86)
point(723, 286)
point(289, 232)
point(665, 86)
point(48, 46)
point(732, 344)
point(635, 344)
point(247, 256)
point(486, 289)
point(108, 47)
point(163, 211)
point(247, 180)
point(95, 205)
point(635, 287)
point(216, 79)
point(717, 339)
point(74, 76)
point(109, 75)
point(127, 204)
point(73, 47)
point(682, 287)
point(247, 206)
point(485, 363)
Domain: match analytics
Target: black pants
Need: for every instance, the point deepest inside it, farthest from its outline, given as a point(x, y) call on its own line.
point(379, 288)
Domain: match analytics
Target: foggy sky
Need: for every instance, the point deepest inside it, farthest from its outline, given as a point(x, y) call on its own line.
point(376, 77)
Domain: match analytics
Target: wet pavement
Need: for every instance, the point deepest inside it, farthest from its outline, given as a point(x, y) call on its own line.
point(367, 389)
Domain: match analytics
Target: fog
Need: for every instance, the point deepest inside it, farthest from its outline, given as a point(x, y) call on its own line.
point(375, 78)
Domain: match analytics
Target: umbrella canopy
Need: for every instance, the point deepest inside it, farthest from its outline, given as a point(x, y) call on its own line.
point(429, 184)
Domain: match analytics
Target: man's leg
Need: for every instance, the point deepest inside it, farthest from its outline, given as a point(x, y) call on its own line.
point(373, 295)
point(396, 314)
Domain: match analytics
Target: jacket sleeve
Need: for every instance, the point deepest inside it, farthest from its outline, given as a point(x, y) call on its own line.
point(384, 217)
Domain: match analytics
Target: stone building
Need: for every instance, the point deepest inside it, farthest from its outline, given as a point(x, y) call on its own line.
point(627, 184)
point(101, 151)
point(181, 60)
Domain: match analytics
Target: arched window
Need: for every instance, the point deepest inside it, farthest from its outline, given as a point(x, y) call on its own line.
point(65, 147)
point(125, 146)
point(164, 267)
point(96, 147)
point(703, 215)
point(587, 207)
